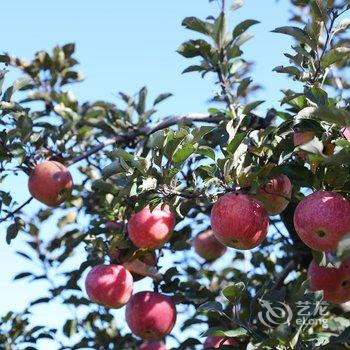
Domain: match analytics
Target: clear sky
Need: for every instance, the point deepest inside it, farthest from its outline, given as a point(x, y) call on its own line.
point(122, 46)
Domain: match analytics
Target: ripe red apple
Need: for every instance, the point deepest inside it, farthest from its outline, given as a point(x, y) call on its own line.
point(207, 246)
point(150, 315)
point(109, 285)
point(215, 342)
point(300, 138)
point(151, 229)
point(275, 194)
point(153, 345)
point(322, 219)
point(335, 282)
point(50, 182)
point(239, 221)
point(346, 132)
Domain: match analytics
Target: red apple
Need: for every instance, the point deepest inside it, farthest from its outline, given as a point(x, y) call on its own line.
point(239, 221)
point(335, 282)
point(153, 345)
point(50, 182)
point(215, 342)
point(150, 315)
point(322, 219)
point(275, 195)
point(346, 132)
point(151, 229)
point(109, 285)
point(207, 246)
point(300, 138)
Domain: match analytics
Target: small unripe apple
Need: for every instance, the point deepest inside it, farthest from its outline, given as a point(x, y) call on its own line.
point(109, 285)
point(153, 345)
point(207, 246)
point(151, 230)
point(300, 138)
point(150, 315)
point(215, 342)
point(346, 132)
point(239, 221)
point(51, 183)
point(335, 282)
point(322, 219)
point(275, 195)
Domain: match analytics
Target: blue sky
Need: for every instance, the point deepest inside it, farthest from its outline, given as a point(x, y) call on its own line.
point(122, 46)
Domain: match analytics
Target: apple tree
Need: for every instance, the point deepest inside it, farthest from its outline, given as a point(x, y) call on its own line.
point(233, 225)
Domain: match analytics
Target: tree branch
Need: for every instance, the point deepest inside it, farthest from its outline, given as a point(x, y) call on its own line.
point(283, 275)
point(147, 131)
point(12, 213)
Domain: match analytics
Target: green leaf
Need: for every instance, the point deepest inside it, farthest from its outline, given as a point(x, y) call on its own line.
point(250, 106)
point(234, 292)
point(12, 232)
point(235, 142)
point(242, 87)
point(317, 95)
point(319, 9)
point(291, 70)
point(194, 68)
point(183, 152)
point(22, 275)
point(216, 331)
point(19, 84)
point(333, 115)
point(242, 27)
point(219, 29)
point(298, 34)
point(210, 306)
point(197, 25)
point(194, 48)
point(334, 55)
point(162, 97)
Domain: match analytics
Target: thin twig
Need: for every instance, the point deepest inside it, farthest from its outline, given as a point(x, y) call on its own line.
point(283, 275)
point(12, 213)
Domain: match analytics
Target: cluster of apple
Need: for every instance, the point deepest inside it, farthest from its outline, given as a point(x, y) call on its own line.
point(238, 220)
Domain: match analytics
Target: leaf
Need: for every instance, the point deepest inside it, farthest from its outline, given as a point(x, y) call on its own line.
point(291, 70)
point(333, 115)
point(219, 30)
point(317, 95)
point(298, 34)
point(235, 142)
point(216, 331)
point(210, 306)
point(194, 48)
point(197, 25)
point(236, 5)
point(242, 87)
point(250, 106)
point(19, 84)
point(12, 232)
point(183, 152)
point(242, 27)
point(319, 9)
point(194, 68)
point(22, 275)
point(234, 292)
point(334, 55)
point(162, 97)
